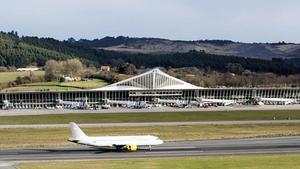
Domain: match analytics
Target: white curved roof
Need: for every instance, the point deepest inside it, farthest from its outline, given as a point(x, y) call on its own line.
point(153, 79)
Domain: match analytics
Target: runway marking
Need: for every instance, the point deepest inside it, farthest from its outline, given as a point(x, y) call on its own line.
point(174, 152)
point(158, 148)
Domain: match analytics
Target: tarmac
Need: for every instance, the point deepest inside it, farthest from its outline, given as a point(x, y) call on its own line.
point(16, 112)
point(145, 124)
point(274, 145)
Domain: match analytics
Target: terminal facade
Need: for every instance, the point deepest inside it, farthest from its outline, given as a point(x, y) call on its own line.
point(148, 87)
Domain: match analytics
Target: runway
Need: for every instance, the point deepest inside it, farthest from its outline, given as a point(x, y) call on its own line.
point(171, 149)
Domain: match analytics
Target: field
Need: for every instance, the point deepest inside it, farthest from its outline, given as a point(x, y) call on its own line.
point(152, 117)
point(219, 162)
point(38, 88)
point(12, 76)
point(90, 84)
point(39, 137)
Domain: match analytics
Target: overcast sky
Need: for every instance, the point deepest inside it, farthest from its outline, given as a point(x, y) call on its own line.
point(237, 20)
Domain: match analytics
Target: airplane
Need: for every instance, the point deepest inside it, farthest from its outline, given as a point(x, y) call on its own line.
point(197, 101)
point(178, 103)
point(129, 143)
point(129, 104)
point(216, 101)
point(260, 101)
point(7, 105)
point(105, 106)
point(74, 105)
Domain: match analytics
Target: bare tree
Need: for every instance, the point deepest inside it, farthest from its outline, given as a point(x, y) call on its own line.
point(89, 71)
point(52, 70)
point(73, 67)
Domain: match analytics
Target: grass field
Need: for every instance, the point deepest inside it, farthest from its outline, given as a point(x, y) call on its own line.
point(11, 76)
point(152, 117)
point(38, 88)
point(39, 137)
point(90, 84)
point(86, 84)
point(219, 162)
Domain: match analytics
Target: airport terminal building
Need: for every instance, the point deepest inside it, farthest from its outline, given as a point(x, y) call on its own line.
point(149, 86)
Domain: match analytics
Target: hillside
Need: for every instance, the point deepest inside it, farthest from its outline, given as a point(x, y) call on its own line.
point(219, 47)
point(14, 52)
point(22, 51)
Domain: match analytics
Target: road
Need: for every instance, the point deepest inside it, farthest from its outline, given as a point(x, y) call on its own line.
point(242, 122)
point(21, 112)
point(171, 149)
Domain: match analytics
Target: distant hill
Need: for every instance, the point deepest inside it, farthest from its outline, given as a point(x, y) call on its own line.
point(15, 52)
point(22, 51)
point(219, 47)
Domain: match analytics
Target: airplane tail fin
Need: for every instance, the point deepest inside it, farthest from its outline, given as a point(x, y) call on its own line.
point(77, 133)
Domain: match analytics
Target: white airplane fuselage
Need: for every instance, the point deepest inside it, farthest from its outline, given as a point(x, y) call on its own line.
point(278, 100)
point(110, 141)
point(183, 103)
point(221, 101)
point(119, 142)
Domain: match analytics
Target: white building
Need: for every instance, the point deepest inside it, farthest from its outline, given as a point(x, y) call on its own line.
point(150, 85)
point(28, 69)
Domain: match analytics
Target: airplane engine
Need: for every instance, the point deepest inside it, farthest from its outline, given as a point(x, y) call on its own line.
point(131, 147)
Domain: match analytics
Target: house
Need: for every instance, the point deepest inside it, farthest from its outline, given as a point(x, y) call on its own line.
point(105, 68)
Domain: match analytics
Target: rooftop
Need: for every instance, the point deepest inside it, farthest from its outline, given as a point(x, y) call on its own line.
point(154, 79)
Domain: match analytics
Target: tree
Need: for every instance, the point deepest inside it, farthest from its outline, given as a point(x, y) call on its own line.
point(235, 68)
point(73, 67)
point(89, 71)
point(127, 68)
point(52, 70)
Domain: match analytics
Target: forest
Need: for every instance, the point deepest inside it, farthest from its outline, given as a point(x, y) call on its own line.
point(23, 51)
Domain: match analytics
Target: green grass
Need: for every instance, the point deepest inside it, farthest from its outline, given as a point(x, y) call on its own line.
point(12, 76)
point(291, 161)
point(39, 88)
point(152, 117)
point(42, 84)
point(39, 137)
point(90, 84)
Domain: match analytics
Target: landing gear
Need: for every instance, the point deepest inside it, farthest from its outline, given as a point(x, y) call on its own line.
point(126, 148)
point(119, 148)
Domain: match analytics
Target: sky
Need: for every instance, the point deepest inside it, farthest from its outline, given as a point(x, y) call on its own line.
point(237, 20)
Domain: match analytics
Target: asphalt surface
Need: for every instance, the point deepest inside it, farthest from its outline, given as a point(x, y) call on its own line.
point(172, 149)
point(21, 112)
point(154, 124)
